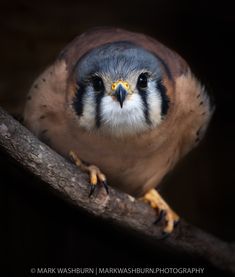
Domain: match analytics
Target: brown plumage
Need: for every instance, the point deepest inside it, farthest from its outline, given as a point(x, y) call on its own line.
point(135, 162)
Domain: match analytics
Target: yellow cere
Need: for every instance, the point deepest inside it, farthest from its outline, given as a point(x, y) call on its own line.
point(120, 82)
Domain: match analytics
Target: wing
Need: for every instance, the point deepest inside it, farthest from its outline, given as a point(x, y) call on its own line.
point(44, 109)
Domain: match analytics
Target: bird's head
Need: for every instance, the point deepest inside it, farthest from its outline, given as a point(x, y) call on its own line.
point(120, 90)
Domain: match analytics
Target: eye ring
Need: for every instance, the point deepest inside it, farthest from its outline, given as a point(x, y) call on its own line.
point(97, 83)
point(142, 81)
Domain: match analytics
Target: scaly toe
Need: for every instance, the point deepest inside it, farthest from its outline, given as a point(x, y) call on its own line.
point(157, 202)
point(171, 219)
point(96, 176)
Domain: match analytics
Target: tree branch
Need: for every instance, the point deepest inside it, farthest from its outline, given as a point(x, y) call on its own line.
point(119, 207)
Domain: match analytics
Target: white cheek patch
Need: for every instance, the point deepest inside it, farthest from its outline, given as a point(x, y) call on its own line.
point(154, 103)
point(126, 120)
point(129, 119)
point(87, 120)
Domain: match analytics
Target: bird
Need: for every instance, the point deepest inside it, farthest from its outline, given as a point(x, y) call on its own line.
point(124, 107)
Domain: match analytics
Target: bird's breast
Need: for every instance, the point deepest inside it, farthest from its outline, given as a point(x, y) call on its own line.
point(133, 165)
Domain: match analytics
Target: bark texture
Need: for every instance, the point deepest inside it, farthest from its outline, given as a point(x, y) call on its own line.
point(66, 179)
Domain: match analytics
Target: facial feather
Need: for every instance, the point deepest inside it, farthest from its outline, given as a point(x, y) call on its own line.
point(99, 110)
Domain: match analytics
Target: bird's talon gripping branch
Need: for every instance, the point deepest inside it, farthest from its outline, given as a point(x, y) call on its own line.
point(105, 184)
point(96, 176)
point(92, 189)
point(156, 202)
point(164, 235)
point(160, 216)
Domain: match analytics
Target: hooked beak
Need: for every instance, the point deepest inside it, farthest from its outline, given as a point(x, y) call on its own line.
point(120, 90)
point(120, 94)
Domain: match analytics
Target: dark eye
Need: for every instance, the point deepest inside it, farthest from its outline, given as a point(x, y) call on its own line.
point(97, 83)
point(142, 80)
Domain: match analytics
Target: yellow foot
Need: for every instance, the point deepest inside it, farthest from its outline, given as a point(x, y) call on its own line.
point(96, 176)
point(156, 201)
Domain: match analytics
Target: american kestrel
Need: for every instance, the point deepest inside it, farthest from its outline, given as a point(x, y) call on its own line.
point(124, 106)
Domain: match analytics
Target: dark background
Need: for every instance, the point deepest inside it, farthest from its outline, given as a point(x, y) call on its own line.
point(39, 229)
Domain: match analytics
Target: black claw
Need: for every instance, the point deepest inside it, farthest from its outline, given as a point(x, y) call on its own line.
point(160, 216)
point(176, 223)
point(105, 184)
point(92, 190)
point(164, 235)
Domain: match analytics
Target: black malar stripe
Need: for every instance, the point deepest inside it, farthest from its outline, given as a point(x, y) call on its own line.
point(78, 100)
point(143, 95)
point(165, 99)
point(98, 98)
